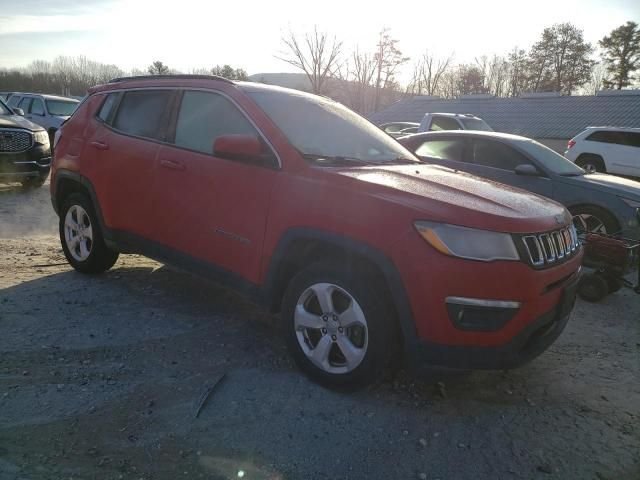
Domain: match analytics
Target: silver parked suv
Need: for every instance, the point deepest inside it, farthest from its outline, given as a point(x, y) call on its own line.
point(48, 111)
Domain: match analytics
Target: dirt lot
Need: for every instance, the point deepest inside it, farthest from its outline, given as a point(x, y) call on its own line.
point(100, 378)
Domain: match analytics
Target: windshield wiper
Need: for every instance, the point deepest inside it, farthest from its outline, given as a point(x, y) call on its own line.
point(401, 161)
point(334, 160)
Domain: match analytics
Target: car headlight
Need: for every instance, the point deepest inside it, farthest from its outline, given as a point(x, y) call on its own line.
point(470, 243)
point(41, 137)
point(631, 203)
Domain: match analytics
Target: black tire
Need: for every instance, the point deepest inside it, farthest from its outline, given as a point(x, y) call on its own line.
point(371, 298)
point(34, 182)
point(100, 257)
point(591, 163)
point(613, 284)
point(593, 287)
point(602, 216)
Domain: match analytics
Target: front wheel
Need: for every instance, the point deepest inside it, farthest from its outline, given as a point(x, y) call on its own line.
point(81, 236)
point(338, 328)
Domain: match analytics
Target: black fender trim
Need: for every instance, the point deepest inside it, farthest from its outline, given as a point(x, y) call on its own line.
point(348, 245)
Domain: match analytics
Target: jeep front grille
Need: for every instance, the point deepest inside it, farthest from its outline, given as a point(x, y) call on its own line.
point(550, 248)
point(15, 140)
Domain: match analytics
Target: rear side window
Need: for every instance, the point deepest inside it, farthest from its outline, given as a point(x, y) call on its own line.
point(204, 116)
point(444, 149)
point(142, 113)
point(497, 155)
point(37, 107)
point(107, 108)
point(604, 137)
point(630, 139)
point(444, 123)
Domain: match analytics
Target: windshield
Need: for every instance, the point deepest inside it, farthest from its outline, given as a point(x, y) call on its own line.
point(63, 108)
point(4, 110)
point(475, 124)
point(325, 129)
point(550, 160)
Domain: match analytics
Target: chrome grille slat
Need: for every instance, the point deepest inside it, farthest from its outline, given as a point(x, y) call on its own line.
point(13, 140)
point(549, 248)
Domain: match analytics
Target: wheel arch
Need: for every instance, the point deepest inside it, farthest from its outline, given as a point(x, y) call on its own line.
point(68, 182)
point(572, 207)
point(303, 246)
point(596, 156)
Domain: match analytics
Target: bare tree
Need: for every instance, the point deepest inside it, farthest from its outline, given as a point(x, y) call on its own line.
point(427, 74)
point(315, 54)
point(388, 58)
point(360, 77)
point(597, 81)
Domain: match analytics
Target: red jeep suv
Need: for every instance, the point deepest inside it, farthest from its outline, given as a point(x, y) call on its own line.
point(320, 215)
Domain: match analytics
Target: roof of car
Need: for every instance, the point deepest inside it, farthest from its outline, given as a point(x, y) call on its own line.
point(469, 133)
point(447, 114)
point(46, 96)
point(615, 129)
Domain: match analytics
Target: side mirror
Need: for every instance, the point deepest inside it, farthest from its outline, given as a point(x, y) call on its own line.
point(18, 111)
point(527, 170)
point(238, 147)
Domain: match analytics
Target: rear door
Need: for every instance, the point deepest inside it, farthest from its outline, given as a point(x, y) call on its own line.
point(122, 149)
point(497, 161)
point(214, 209)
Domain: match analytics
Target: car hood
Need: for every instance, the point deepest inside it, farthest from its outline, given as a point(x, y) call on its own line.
point(609, 183)
point(442, 194)
point(18, 121)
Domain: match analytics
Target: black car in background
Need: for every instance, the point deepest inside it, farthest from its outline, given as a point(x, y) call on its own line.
point(25, 153)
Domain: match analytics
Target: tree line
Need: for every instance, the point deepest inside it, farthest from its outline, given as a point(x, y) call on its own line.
point(560, 61)
point(367, 79)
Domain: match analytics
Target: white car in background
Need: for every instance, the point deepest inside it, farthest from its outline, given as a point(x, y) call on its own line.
point(48, 111)
point(607, 149)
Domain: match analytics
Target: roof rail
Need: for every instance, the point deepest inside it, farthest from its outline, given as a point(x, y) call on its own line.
point(181, 76)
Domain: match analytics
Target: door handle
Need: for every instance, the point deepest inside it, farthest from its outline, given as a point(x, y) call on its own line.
point(172, 165)
point(100, 145)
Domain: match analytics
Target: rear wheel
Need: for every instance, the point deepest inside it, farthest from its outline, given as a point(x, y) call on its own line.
point(81, 236)
point(591, 163)
point(594, 219)
point(338, 328)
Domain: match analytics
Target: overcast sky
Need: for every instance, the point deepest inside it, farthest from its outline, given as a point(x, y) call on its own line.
point(190, 33)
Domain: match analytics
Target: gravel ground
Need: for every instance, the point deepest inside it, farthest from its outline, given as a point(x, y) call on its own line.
point(100, 378)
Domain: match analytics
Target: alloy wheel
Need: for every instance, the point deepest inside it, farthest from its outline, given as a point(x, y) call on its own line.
point(78, 233)
point(331, 328)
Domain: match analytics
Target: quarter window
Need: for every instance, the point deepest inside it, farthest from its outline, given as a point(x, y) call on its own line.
point(443, 149)
point(108, 106)
point(444, 123)
point(204, 116)
point(497, 155)
point(143, 112)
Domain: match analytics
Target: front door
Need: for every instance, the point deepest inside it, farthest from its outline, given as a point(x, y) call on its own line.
point(212, 208)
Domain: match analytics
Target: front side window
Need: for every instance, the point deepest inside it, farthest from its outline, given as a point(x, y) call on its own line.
point(204, 116)
point(322, 129)
point(37, 107)
point(442, 149)
point(24, 104)
point(497, 155)
point(443, 123)
point(142, 113)
point(61, 108)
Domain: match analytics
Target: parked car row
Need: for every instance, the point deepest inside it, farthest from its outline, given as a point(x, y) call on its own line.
point(366, 251)
point(48, 111)
point(25, 152)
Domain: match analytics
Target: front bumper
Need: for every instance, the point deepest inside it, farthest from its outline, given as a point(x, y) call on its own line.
point(534, 339)
point(32, 163)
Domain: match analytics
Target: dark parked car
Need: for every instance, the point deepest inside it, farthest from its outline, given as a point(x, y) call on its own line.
point(25, 154)
point(398, 129)
point(606, 203)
